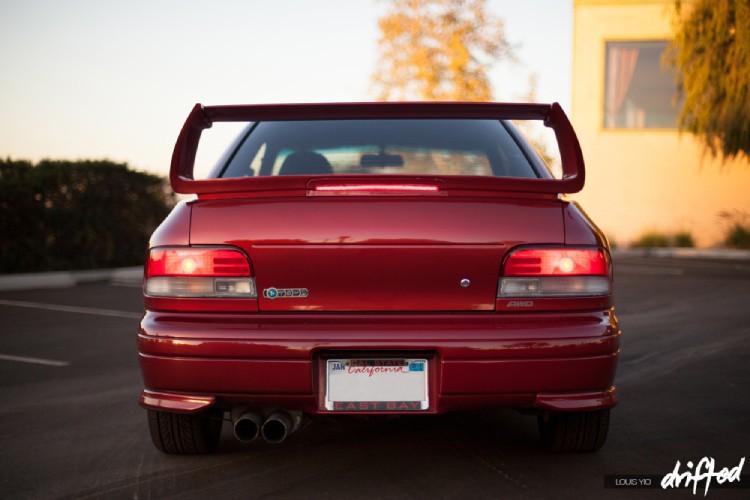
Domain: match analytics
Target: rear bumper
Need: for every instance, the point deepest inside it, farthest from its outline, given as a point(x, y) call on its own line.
point(544, 361)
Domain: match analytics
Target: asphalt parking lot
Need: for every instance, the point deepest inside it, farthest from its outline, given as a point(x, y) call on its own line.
point(70, 426)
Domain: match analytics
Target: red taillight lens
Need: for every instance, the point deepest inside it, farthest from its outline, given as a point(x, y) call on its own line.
point(557, 262)
point(199, 272)
point(197, 262)
point(335, 188)
point(376, 188)
point(556, 272)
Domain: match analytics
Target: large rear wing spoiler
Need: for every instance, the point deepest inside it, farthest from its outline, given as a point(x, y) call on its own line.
point(202, 117)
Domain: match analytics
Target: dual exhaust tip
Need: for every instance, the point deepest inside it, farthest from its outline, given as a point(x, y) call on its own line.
point(249, 425)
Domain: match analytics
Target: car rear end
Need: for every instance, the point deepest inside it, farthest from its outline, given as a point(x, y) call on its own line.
point(376, 259)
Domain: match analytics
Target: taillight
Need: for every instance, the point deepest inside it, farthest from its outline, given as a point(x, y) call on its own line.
point(556, 272)
point(199, 272)
point(375, 188)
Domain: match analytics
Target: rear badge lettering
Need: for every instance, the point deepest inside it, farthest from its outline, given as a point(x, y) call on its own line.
point(520, 303)
point(285, 293)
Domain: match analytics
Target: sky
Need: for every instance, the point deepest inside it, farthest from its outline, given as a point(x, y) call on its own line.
point(88, 79)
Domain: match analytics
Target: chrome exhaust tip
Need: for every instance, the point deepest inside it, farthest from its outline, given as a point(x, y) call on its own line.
point(246, 425)
point(279, 425)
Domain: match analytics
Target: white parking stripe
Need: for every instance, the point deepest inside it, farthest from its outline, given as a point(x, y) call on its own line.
point(35, 361)
point(72, 309)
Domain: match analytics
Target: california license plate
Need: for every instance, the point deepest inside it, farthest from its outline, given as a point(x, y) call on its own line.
point(363, 385)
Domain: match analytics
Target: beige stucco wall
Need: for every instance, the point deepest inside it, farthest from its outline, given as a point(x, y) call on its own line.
point(643, 180)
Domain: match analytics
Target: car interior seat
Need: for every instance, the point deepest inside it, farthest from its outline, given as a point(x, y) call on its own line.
point(305, 163)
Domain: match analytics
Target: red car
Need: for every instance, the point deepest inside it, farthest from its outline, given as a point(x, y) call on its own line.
point(381, 258)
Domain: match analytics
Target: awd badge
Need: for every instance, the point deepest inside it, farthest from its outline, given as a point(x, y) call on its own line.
point(285, 293)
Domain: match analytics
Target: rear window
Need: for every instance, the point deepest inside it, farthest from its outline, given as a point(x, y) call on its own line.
point(381, 147)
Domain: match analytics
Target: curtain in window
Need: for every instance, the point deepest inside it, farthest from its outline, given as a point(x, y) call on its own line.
point(620, 68)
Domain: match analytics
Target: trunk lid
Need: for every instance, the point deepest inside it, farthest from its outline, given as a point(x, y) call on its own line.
point(377, 253)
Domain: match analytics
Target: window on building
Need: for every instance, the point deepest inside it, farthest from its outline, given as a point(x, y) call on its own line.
point(638, 91)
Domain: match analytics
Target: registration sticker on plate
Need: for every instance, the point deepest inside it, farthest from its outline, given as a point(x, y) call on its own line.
point(377, 385)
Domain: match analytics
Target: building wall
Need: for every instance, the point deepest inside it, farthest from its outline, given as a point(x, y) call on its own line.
point(643, 180)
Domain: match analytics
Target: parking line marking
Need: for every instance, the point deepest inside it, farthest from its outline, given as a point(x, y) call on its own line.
point(72, 309)
point(35, 361)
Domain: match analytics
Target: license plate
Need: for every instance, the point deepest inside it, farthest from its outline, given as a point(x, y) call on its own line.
point(363, 385)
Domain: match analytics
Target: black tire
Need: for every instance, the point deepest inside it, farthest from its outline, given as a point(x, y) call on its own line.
point(574, 432)
point(184, 434)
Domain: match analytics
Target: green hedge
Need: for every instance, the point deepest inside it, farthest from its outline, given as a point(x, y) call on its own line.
point(63, 215)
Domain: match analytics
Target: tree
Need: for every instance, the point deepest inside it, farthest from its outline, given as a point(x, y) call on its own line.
point(711, 53)
point(438, 50)
point(60, 215)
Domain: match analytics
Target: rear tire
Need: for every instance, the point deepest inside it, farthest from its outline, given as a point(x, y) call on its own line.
point(184, 434)
point(575, 431)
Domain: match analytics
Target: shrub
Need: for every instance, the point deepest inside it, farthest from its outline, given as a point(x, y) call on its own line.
point(738, 237)
point(60, 215)
point(737, 229)
point(683, 239)
point(652, 239)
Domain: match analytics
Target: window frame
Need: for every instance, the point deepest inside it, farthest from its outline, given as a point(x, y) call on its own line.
point(606, 118)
